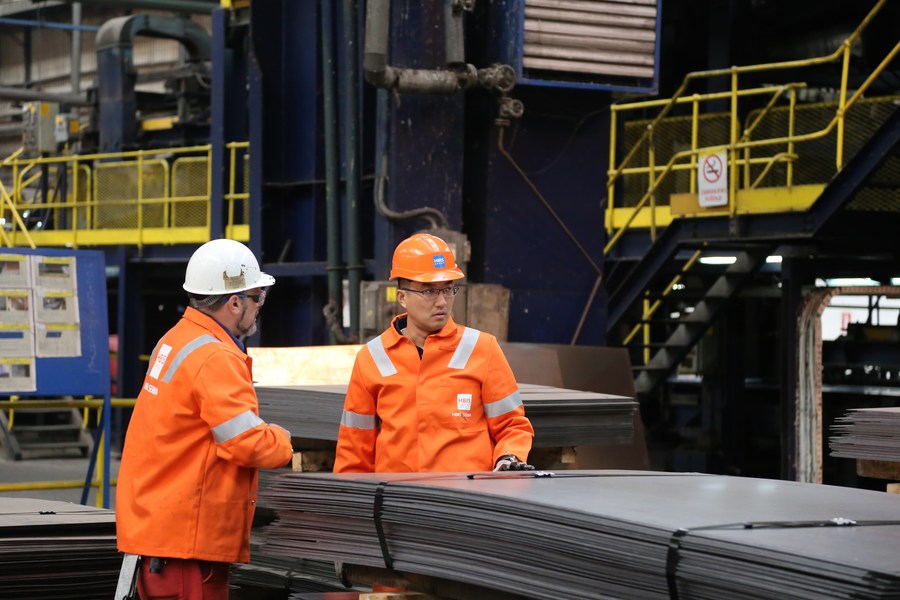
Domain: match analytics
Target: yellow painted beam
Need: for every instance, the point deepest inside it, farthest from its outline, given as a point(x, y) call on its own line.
point(756, 201)
point(159, 124)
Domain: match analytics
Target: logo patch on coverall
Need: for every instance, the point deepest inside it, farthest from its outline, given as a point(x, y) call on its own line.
point(161, 357)
point(463, 405)
point(439, 262)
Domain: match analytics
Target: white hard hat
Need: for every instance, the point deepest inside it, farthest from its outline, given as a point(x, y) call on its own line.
point(224, 267)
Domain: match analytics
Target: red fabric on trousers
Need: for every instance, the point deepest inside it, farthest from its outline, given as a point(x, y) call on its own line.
point(181, 579)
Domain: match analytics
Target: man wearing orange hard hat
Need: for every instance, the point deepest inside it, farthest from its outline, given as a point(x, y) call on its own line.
point(429, 395)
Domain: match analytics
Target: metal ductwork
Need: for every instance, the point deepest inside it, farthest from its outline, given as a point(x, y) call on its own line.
point(116, 75)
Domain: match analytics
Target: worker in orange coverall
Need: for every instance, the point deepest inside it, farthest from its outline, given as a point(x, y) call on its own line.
point(428, 395)
point(187, 484)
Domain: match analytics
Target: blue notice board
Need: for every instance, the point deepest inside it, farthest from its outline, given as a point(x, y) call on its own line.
point(63, 309)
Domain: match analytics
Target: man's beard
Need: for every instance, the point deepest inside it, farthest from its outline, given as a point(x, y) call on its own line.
point(249, 330)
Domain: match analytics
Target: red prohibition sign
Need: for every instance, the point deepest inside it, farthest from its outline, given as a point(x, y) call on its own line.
point(712, 168)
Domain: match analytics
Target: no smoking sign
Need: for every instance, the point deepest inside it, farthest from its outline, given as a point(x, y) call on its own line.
point(712, 180)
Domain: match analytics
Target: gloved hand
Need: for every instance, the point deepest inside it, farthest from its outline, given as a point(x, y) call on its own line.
point(511, 463)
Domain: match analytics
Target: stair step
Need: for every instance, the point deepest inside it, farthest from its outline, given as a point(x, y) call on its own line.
point(23, 408)
point(647, 368)
point(46, 428)
point(51, 445)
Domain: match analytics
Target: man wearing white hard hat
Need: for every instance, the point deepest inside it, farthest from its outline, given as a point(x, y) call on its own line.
point(187, 484)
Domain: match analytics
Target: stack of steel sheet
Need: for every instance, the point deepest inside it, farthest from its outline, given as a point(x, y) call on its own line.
point(560, 417)
point(266, 573)
point(867, 433)
point(590, 534)
point(51, 549)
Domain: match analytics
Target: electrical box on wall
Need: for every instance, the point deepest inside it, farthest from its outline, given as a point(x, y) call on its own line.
point(39, 129)
point(608, 44)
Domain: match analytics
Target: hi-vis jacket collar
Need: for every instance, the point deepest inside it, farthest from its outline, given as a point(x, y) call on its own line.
point(447, 333)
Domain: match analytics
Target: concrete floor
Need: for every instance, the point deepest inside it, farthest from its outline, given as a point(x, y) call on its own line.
point(46, 470)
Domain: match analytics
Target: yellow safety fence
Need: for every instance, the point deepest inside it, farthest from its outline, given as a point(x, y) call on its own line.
point(160, 196)
point(774, 154)
point(770, 141)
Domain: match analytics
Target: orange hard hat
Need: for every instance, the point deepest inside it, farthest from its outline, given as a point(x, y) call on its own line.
point(426, 258)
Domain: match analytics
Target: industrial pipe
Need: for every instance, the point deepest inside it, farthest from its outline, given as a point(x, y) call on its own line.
point(77, 27)
point(418, 81)
point(76, 47)
point(27, 95)
point(454, 37)
point(352, 157)
point(332, 179)
point(177, 6)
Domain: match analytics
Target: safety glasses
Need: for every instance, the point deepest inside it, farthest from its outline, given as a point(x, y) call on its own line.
point(259, 298)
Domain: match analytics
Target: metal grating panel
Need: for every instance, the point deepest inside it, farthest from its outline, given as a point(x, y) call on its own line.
point(615, 37)
point(118, 194)
point(190, 179)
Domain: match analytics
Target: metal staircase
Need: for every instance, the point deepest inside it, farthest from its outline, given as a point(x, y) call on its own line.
point(690, 329)
point(43, 431)
point(789, 184)
point(759, 235)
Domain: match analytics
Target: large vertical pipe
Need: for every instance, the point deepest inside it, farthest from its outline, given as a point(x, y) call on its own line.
point(351, 156)
point(454, 39)
point(75, 77)
point(332, 180)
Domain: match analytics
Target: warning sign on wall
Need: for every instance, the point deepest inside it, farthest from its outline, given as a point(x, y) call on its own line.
point(712, 180)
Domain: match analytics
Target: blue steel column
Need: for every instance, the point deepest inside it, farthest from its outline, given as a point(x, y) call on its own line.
point(425, 134)
point(286, 226)
point(220, 72)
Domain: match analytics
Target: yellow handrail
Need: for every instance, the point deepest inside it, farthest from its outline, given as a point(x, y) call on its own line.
point(133, 202)
point(736, 143)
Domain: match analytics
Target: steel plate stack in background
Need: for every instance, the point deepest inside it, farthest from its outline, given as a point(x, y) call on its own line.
point(867, 433)
point(51, 549)
point(589, 534)
point(560, 417)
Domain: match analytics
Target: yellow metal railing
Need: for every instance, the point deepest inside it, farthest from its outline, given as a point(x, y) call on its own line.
point(101, 468)
point(740, 144)
point(747, 171)
point(160, 196)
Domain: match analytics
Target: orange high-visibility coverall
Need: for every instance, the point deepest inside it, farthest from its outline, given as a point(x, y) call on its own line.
point(455, 409)
point(188, 478)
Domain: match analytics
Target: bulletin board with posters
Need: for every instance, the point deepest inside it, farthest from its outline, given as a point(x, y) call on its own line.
point(54, 333)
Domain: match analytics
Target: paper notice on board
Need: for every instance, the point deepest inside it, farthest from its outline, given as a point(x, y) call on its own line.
point(57, 339)
point(16, 340)
point(54, 272)
point(17, 375)
point(15, 306)
point(14, 271)
point(55, 306)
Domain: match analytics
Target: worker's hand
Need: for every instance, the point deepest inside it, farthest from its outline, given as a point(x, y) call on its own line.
point(281, 428)
point(511, 463)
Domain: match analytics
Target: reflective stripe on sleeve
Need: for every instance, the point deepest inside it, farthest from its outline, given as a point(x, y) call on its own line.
point(235, 426)
point(185, 352)
point(465, 348)
point(357, 420)
point(503, 406)
point(384, 364)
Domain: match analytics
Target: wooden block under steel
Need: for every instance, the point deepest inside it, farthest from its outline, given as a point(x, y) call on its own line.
point(878, 469)
point(312, 461)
